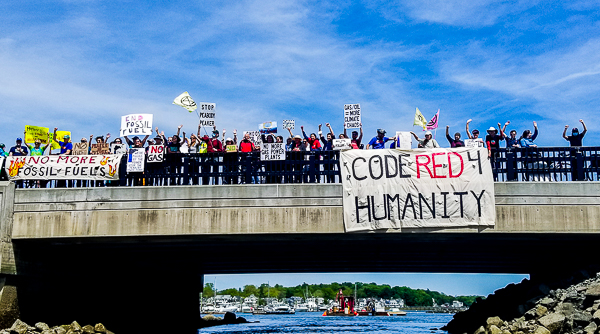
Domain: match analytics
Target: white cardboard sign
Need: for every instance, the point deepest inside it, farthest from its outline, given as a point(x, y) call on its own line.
point(403, 140)
point(136, 125)
point(352, 116)
point(135, 160)
point(272, 151)
point(207, 112)
point(342, 144)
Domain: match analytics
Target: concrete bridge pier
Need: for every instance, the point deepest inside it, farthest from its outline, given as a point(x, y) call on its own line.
point(122, 290)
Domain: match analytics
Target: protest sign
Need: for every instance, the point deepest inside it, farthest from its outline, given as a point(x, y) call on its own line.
point(103, 148)
point(474, 143)
point(60, 136)
point(403, 140)
point(63, 167)
point(136, 125)
point(156, 153)
point(254, 137)
point(116, 148)
point(342, 144)
point(186, 101)
point(36, 132)
point(352, 116)
point(272, 151)
point(80, 148)
point(207, 114)
point(135, 160)
point(288, 124)
point(267, 127)
point(421, 188)
point(231, 148)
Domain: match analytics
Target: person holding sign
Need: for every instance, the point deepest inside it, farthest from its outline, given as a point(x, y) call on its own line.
point(475, 135)
point(66, 146)
point(378, 142)
point(427, 142)
point(356, 139)
point(230, 159)
point(136, 142)
point(456, 142)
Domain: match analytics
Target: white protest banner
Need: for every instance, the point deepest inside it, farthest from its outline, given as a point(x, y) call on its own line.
point(254, 137)
point(342, 144)
point(352, 116)
point(64, 167)
point(207, 114)
point(117, 148)
point(288, 124)
point(421, 188)
point(474, 143)
point(403, 140)
point(156, 153)
point(1, 161)
point(136, 125)
point(135, 160)
point(267, 127)
point(272, 151)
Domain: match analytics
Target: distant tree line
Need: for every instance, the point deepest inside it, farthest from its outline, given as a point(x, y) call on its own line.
point(412, 297)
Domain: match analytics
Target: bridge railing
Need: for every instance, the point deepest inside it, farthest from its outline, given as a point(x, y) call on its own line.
point(521, 164)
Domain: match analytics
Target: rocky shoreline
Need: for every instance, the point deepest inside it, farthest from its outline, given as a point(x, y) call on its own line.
point(20, 327)
point(228, 319)
point(553, 306)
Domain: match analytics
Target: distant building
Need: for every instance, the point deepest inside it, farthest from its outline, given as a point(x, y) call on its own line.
point(457, 304)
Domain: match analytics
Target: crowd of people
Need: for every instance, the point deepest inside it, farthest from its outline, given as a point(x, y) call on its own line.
point(219, 142)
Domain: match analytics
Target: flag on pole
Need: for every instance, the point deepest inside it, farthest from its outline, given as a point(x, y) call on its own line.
point(433, 124)
point(420, 120)
point(186, 101)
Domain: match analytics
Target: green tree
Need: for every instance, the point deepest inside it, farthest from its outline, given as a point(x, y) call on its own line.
point(208, 290)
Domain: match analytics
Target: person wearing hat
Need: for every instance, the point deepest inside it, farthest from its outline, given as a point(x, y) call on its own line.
point(3, 153)
point(474, 135)
point(378, 142)
point(356, 140)
point(576, 138)
point(456, 142)
point(492, 140)
point(66, 146)
point(18, 150)
point(427, 142)
point(36, 149)
point(215, 145)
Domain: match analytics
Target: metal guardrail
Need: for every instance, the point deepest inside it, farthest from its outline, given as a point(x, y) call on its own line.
point(543, 164)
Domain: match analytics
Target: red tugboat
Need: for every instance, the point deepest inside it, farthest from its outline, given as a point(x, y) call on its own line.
point(345, 306)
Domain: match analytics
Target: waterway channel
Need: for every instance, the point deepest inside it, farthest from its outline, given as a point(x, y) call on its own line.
point(314, 322)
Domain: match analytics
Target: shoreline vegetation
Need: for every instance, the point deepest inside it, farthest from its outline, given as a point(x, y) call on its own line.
point(411, 297)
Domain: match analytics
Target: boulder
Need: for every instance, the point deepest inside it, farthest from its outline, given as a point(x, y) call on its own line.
point(541, 330)
point(591, 328)
point(593, 291)
point(581, 318)
point(99, 328)
point(493, 329)
point(565, 308)
point(596, 316)
point(496, 321)
point(19, 327)
point(229, 317)
point(88, 329)
point(59, 330)
point(547, 301)
point(48, 331)
point(553, 322)
point(480, 330)
point(75, 327)
point(40, 326)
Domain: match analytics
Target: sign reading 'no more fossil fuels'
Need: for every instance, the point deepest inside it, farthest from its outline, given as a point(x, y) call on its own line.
point(421, 188)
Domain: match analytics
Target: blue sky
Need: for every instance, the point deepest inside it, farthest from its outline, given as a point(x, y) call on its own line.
point(450, 284)
point(81, 65)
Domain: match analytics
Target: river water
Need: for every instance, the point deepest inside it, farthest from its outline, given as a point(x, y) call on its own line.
point(314, 322)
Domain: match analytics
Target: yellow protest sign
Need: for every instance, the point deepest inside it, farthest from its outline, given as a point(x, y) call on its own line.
point(231, 148)
point(60, 135)
point(36, 132)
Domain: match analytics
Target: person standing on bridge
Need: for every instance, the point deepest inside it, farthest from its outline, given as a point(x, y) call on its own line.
point(576, 138)
point(456, 142)
point(356, 140)
point(427, 142)
point(378, 142)
point(527, 138)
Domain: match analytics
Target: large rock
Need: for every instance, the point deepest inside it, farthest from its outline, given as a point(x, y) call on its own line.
point(493, 329)
point(591, 328)
point(59, 330)
point(596, 316)
point(480, 330)
point(496, 321)
point(593, 291)
point(536, 312)
point(19, 327)
point(229, 317)
point(99, 328)
point(40, 326)
point(565, 309)
point(581, 318)
point(88, 329)
point(547, 301)
point(553, 321)
point(541, 330)
point(75, 327)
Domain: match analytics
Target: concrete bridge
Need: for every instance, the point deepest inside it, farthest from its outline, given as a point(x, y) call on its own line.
point(133, 257)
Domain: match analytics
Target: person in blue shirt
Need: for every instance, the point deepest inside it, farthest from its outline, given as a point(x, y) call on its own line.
point(379, 141)
point(3, 153)
point(527, 138)
point(66, 146)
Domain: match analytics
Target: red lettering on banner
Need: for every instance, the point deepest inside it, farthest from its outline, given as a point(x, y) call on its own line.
point(63, 157)
point(93, 159)
point(462, 165)
point(435, 176)
point(423, 164)
point(83, 159)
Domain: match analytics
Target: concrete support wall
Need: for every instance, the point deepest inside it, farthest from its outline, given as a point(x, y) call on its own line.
point(273, 209)
point(7, 258)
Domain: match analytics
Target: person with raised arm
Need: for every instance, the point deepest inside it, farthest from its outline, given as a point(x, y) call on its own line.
point(66, 147)
point(527, 138)
point(511, 140)
point(493, 139)
point(378, 142)
point(427, 142)
point(576, 138)
point(456, 142)
point(313, 141)
point(474, 135)
point(327, 143)
point(356, 140)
